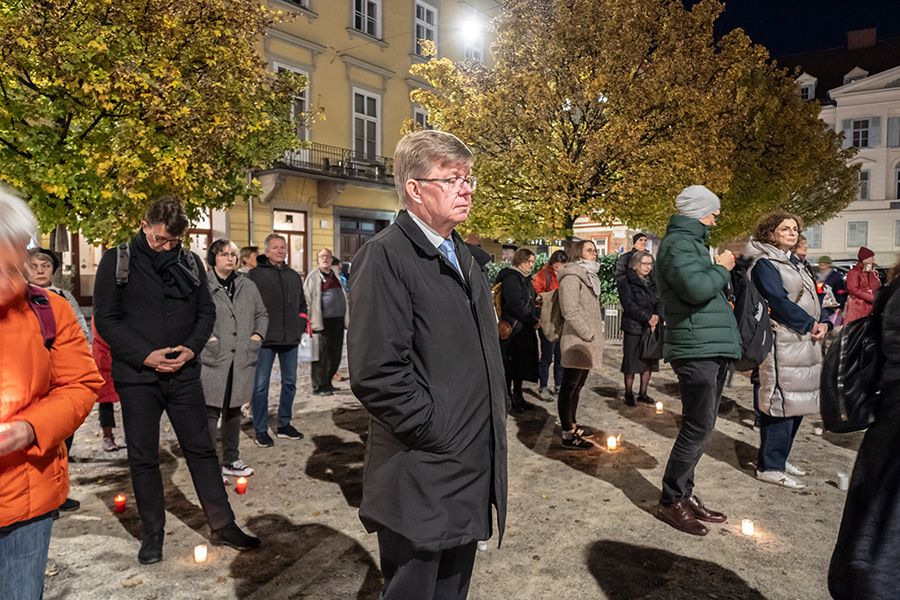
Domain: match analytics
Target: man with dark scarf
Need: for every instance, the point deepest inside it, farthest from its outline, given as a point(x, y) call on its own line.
point(156, 323)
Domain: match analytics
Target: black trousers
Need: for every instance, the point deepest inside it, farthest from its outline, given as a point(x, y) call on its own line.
point(701, 381)
point(107, 413)
point(182, 400)
point(569, 394)
point(411, 574)
point(331, 344)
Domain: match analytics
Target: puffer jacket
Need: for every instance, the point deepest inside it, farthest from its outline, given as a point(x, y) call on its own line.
point(640, 301)
point(54, 391)
point(699, 321)
point(581, 341)
point(789, 377)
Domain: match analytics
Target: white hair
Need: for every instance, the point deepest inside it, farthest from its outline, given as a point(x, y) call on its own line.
point(18, 226)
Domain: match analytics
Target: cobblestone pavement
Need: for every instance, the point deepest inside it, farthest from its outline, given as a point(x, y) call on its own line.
point(580, 524)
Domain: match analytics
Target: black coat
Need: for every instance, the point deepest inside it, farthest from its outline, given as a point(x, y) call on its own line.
point(138, 318)
point(425, 362)
point(281, 290)
point(517, 304)
point(640, 301)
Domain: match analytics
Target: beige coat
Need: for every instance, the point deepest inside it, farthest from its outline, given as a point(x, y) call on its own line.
point(312, 289)
point(581, 342)
point(789, 377)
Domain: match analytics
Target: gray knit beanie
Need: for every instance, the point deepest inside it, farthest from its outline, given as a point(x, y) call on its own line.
point(696, 202)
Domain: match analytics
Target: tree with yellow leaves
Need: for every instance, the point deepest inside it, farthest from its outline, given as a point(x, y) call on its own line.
point(107, 104)
point(608, 108)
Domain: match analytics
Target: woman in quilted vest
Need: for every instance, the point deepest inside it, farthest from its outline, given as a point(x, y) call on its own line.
point(48, 384)
point(789, 377)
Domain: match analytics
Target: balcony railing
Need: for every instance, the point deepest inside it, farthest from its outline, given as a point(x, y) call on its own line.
point(341, 163)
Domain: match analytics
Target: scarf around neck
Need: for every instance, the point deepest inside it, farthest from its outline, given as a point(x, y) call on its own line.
point(178, 280)
point(592, 267)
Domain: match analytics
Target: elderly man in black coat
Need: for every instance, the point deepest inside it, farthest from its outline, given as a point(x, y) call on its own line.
point(156, 314)
point(425, 362)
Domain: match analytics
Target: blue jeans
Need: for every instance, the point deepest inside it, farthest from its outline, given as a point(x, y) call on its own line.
point(287, 358)
point(23, 559)
point(776, 436)
point(550, 352)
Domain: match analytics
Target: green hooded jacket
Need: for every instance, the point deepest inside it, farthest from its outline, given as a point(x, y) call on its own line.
point(700, 322)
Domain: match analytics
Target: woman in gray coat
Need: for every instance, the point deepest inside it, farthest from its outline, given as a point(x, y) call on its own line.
point(229, 357)
point(582, 336)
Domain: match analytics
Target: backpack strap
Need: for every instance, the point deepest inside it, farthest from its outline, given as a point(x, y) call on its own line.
point(123, 257)
point(192, 263)
point(40, 305)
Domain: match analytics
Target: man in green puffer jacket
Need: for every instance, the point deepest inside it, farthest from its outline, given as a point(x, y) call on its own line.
point(700, 342)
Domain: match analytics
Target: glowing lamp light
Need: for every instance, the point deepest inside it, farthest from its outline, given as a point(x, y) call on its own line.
point(659, 408)
point(200, 553)
point(747, 527)
point(613, 441)
point(241, 485)
point(120, 503)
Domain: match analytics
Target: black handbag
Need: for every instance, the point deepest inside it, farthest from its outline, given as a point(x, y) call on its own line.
point(651, 346)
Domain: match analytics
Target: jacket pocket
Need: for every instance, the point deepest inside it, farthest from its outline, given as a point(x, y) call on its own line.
point(437, 440)
point(210, 353)
point(253, 352)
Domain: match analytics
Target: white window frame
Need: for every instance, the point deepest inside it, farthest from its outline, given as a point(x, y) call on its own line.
point(813, 235)
point(366, 119)
point(474, 40)
point(361, 17)
point(896, 233)
point(897, 182)
point(301, 100)
point(421, 25)
point(863, 182)
point(861, 229)
point(420, 116)
point(808, 92)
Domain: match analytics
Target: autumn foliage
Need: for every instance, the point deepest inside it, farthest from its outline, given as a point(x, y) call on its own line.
point(106, 104)
point(608, 108)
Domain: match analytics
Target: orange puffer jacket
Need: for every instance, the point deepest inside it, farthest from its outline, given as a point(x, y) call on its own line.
point(54, 391)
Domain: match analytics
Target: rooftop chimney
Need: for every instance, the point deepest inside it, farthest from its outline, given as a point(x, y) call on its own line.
point(861, 38)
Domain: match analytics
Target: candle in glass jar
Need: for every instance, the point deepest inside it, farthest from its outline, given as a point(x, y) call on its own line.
point(200, 553)
point(659, 408)
point(120, 503)
point(747, 527)
point(241, 485)
point(612, 442)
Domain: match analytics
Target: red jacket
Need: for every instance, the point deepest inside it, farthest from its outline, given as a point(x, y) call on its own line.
point(545, 280)
point(54, 391)
point(103, 358)
point(861, 288)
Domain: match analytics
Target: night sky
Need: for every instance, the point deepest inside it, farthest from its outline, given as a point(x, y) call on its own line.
point(793, 26)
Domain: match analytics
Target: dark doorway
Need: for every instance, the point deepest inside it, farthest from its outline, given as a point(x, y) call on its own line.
point(355, 232)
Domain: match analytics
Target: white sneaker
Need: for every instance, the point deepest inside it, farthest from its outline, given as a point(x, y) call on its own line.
point(779, 478)
point(238, 469)
point(793, 470)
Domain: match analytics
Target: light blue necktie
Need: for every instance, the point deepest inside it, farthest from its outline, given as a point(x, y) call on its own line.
point(446, 248)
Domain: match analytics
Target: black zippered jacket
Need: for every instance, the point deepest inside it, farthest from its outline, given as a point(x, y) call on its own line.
point(281, 289)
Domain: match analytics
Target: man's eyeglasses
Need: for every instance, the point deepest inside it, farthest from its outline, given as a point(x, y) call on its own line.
point(454, 183)
point(162, 241)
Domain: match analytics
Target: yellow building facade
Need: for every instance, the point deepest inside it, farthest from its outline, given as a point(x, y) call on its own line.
point(356, 54)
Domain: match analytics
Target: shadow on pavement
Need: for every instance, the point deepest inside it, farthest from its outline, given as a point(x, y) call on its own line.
point(336, 460)
point(628, 572)
point(737, 453)
point(303, 560)
point(619, 468)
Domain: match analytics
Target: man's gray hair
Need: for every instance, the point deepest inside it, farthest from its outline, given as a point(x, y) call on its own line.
point(273, 236)
point(421, 151)
point(18, 226)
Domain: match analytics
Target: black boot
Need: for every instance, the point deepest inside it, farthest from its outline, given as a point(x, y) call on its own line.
point(643, 398)
point(232, 536)
point(629, 398)
point(151, 548)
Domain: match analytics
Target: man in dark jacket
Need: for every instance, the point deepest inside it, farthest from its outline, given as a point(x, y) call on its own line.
point(281, 289)
point(638, 244)
point(425, 362)
point(701, 339)
point(156, 315)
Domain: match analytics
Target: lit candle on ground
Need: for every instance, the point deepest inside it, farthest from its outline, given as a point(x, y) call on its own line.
point(843, 481)
point(659, 408)
point(817, 431)
point(241, 485)
point(120, 503)
point(612, 442)
point(200, 554)
point(747, 527)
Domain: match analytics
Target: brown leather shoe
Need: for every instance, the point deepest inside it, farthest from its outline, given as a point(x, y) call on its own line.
point(702, 513)
point(680, 518)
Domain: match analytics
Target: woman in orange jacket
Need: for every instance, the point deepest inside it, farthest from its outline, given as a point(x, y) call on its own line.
point(48, 384)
